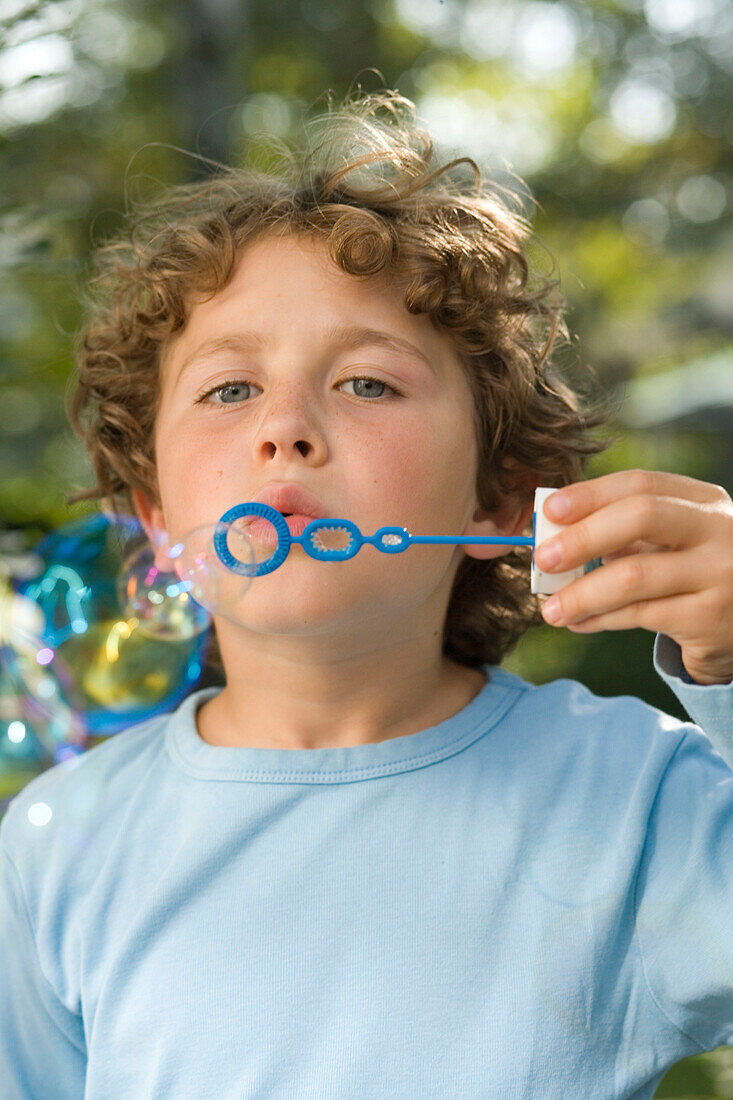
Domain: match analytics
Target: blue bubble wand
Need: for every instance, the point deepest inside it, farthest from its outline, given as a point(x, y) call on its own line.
point(388, 540)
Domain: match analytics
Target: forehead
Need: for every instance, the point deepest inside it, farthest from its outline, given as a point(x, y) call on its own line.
point(289, 284)
point(302, 256)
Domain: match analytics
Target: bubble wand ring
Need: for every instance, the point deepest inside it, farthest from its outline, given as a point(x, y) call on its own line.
point(388, 540)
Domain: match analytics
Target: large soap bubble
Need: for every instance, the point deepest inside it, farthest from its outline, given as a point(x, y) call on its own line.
point(172, 588)
point(122, 640)
point(36, 729)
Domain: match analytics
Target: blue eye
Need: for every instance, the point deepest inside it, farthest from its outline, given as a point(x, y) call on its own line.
point(371, 382)
point(233, 387)
point(236, 386)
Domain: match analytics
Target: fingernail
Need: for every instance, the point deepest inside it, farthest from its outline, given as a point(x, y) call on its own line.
point(559, 504)
point(548, 555)
point(551, 610)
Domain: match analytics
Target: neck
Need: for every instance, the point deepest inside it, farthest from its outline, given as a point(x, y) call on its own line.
point(295, 706)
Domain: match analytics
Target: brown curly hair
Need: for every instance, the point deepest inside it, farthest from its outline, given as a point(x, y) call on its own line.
point(369, 186)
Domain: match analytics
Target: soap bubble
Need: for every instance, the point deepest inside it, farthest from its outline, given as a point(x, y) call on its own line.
point(171, 589)
point(92, 669)
point(33, 736)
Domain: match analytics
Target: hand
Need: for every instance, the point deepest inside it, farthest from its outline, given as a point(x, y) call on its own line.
point(666, 543)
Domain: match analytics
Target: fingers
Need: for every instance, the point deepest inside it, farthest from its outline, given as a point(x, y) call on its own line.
point(666, 522)
point(640, 546)
point(629, 592)
point(589, 496)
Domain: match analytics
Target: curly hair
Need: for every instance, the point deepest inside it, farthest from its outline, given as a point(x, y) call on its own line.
point(369, 186)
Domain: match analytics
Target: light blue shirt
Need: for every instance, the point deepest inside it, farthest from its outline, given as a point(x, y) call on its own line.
point(531, 899)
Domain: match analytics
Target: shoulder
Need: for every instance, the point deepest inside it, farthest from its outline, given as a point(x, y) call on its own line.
point(564, 720)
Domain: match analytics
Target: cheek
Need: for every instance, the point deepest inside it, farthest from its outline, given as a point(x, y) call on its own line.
point(188, 474)
point(425, 466)
point(169, 460)
point(183, 452)
point(389, 461)
point(444, 445)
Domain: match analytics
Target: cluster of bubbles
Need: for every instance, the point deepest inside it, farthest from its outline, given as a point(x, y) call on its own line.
point(100, 629)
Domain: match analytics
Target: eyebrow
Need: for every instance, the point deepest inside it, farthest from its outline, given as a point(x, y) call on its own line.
point(347, 336)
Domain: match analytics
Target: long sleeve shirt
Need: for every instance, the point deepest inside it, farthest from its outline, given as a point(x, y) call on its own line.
point(531, 899)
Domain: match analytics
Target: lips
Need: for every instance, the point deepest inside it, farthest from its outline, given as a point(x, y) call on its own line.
point(287, 497)
point(263, 532)
point(297, 524)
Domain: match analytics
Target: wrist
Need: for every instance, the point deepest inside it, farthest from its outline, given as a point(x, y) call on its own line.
point(702, 679)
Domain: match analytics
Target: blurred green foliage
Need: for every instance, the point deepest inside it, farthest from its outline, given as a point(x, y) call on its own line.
point(614, 113)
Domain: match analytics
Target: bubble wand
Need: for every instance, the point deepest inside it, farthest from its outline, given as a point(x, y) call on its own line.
point(388, 540)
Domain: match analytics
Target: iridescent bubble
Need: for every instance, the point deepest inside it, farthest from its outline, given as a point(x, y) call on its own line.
point(171, 589)
point(92, 662)
point(32, 733)
point(155, 600)
point(21, 619)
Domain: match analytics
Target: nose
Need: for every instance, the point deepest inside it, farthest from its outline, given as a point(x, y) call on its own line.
point(290, 424)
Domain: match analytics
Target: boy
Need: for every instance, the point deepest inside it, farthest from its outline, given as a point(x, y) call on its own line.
point(375, 863)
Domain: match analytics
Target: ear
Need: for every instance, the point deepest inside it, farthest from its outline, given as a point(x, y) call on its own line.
point(152, 518)
point(510, 519)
